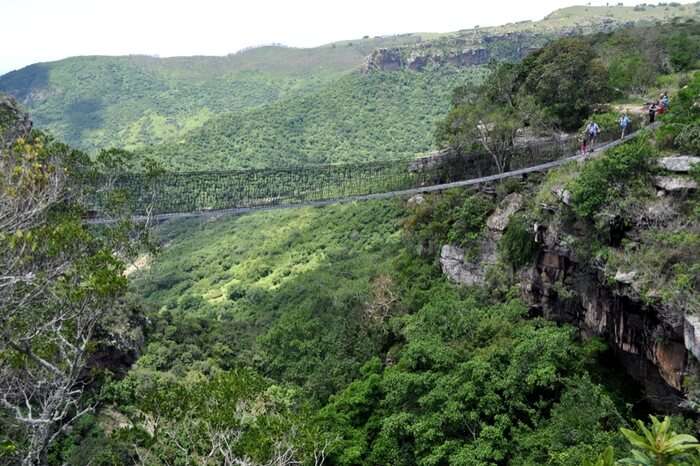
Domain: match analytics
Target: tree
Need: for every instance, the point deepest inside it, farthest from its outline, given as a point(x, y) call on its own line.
point(58, 279)
point(490, 117)
point(566, 79)
point(234, 418)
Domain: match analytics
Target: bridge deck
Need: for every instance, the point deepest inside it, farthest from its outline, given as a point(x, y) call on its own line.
point(301, 195)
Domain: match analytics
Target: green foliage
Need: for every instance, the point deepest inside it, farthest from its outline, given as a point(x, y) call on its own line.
point(357, 118)
point(688, 139)
point(567, 79)
point(683, 50)
point(132, 101)
point(456, 217)
point(606, 178)
point(473, 384)
point(518, 245)
point(607, 458)
point(285, 291)
point(659, 446)
point(233, 414)
point(680, 124)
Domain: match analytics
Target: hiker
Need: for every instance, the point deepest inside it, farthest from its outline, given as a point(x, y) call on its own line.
point(583, 142)
point(652, 112)
point(665, 102)
point(625, 124)
point(592, 132)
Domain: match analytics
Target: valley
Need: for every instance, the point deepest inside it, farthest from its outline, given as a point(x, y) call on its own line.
point(538, 319)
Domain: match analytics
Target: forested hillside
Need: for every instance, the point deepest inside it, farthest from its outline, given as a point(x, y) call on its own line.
point(384, 115)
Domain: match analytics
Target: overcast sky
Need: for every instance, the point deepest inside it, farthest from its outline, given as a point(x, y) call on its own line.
point(43, 30)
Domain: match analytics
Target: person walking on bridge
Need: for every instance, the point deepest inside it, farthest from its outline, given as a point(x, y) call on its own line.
point(592, 132)
point(653, 108)
point(625, 124)
point(665, 102)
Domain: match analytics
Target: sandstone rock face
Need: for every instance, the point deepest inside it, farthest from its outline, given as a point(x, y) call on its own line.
point(473, 272)
point(679, 163)
point(393, 59)
point(14, 123)
point(384, 60)
point(499, 220)
point(454, 266)
point(649, 342)
point(563, 194)
point(675, 183)
point(626, 278)
point(465, 272)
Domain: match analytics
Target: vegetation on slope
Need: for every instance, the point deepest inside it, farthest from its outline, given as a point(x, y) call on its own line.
point(561, 85)
point(357, 118)
point(330, 335)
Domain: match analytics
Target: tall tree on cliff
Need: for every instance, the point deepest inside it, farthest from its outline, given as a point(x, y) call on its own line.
point(556, 87)
point(58, 278)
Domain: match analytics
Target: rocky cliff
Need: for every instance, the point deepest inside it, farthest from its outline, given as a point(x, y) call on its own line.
point(14, 123)
point(654, 337)
point(476, 47)
point(648, 340)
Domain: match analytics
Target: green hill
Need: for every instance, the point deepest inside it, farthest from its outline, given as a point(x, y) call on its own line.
point(135, 101)
point(383, 115)
point(95, 102)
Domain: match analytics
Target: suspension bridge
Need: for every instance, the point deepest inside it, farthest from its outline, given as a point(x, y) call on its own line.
point(195, 194)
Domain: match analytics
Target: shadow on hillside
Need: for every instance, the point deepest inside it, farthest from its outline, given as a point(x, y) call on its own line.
point(26, 84)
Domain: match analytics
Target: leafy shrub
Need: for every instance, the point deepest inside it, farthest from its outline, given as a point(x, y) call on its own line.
point(606, 176)
point(567, 79)
point(518, 245)
point(688, 140)
point(454, 217)
point(683, 50)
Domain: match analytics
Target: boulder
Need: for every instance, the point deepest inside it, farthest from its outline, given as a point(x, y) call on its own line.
point(454, 266)
point(499, 220)
point(626, 278)
point(691, 334)
point(675, 183)
point(563, 194)
point(679, 163)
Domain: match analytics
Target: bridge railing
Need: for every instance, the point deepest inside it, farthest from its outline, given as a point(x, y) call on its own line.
point(209, 191)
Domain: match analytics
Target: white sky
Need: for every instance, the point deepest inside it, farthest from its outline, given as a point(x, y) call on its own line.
point(43, 30)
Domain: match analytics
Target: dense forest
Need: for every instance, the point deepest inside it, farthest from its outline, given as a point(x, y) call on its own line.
point(338, 335)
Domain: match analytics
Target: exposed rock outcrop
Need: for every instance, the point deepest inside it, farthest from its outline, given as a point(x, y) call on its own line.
point(458, 269)
point(648, 341)
point(500, 219)
point(417, 59)
point(472, 271)
point(675, 183)
point(14, 123)
point(679, 163)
